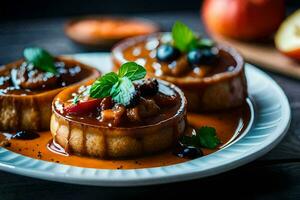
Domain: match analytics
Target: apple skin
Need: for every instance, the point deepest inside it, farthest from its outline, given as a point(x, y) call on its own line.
point(293, 54)
point(243, 19)
point(287, 38)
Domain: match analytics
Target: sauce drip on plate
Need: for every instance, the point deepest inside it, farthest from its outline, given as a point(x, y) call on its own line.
point(229, 125)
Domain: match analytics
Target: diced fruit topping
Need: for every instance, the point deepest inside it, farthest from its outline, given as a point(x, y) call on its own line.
point(83, 107)
point(146, 108)
point(106, 103)
point(114, 115)
point(114, 102)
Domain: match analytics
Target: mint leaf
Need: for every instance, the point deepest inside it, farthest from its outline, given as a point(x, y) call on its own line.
point(182, 36)
point(76, 99)
point(119, 86)
point(40, 59)
point(102, 86)
point(207, 137)
point(123, 91)
point(132, 70)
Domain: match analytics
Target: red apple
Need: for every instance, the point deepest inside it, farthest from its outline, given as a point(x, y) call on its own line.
point(243, 19)
point(287, 38)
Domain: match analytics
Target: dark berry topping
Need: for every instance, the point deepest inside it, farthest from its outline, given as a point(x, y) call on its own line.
point(205, 56)
point(167, 53)
point(147, 87)
point(25, 135)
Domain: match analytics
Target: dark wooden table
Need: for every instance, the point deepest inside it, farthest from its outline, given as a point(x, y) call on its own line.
point(274, 176)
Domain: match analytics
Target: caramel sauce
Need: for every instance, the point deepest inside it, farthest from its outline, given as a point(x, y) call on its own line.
point(229, 125)
point(20, 78)
point(144, 53)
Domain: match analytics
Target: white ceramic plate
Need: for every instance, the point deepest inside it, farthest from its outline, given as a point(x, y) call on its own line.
point(271, 122)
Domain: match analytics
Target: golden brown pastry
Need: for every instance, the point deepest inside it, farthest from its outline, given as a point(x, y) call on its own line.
point(26, 92)
point(106, 126)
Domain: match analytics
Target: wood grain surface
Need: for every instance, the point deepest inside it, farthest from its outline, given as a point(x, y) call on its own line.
point(274, 176)
point(265, 55)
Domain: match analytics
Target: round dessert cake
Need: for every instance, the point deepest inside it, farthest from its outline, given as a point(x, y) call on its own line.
point(100, 127)
point(212, 78)
point(26, 93)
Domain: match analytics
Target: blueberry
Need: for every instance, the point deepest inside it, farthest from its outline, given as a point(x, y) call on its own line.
point(187, 151)
point(167, 52)
point(25, 135)
point(195, 56)
point(205, 56)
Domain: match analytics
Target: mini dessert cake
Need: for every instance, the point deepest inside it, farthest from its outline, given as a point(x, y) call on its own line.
point(28, 86)
point(119, 115)
point(211, 76)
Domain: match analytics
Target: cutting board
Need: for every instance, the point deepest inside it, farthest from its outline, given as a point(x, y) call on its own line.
point(264, 55)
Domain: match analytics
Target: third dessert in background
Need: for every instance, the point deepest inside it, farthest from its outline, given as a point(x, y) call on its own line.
point(211, 76)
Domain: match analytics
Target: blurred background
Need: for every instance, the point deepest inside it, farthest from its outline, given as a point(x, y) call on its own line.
point(45, 24)
point(16, 10)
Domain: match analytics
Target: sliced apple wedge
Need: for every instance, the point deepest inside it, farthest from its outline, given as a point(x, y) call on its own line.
point(287, 38)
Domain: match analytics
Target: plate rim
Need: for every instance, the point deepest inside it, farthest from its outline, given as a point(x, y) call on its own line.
point(116, 177)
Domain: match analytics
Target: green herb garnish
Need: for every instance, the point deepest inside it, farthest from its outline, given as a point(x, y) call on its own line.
point(40, 59)
point(208, 137)
point(123, 91)
point(132, 70)
point(75, 99)
point(119, 86)
point(205, 137)
point(102, 87)
point(183, 36)
point(185, 39)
